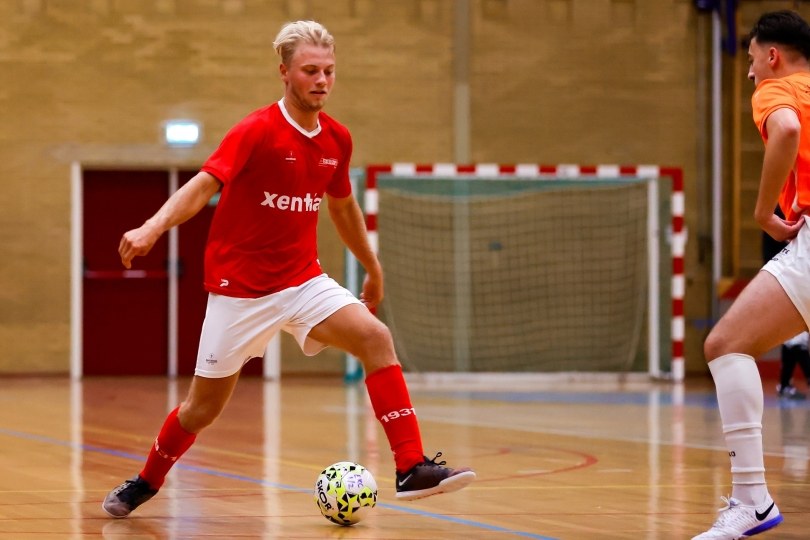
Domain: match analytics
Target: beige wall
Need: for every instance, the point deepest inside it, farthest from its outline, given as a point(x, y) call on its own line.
point(552, 81)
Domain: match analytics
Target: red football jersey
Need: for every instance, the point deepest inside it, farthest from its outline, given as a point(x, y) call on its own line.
point(263, 237)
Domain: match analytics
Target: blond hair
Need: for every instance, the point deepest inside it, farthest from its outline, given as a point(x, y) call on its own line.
point(294, 33)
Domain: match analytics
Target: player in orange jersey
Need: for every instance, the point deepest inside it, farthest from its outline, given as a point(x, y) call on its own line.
point(775, 306)
point(274, 169)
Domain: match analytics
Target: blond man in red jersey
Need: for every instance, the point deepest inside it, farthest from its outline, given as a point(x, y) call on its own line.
point(274, 168)
point(775, 306)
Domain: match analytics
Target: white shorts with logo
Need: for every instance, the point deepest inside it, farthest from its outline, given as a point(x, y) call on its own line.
point(791, 267)
point(238, 329)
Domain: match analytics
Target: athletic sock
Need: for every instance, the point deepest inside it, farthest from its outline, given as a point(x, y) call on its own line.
point(171, 443)
point(392, 405)
point(740, 399)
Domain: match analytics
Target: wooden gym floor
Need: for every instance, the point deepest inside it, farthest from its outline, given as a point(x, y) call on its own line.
point(562, 461)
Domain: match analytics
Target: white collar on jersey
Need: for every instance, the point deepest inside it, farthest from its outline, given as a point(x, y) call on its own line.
point(294, 124)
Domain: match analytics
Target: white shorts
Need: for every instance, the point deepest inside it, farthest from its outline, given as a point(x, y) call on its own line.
point(238, 329)
point(791, 268)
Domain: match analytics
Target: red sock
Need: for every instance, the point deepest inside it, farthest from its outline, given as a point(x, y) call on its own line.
point(170, 444)
point(392, 405)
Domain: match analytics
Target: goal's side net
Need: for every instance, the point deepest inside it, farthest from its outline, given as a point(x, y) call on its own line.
point(529, 268)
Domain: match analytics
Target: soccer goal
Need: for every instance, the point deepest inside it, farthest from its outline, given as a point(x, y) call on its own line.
point(561, 270)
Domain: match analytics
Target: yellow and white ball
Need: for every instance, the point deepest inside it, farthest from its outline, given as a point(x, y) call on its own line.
point(345, 492)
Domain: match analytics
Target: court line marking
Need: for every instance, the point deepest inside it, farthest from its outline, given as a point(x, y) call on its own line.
point(573, 432)
point(262, 482)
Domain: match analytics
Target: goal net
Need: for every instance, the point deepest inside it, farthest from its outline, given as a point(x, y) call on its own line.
point(525, 270)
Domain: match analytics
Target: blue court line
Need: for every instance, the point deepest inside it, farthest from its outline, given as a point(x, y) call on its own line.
point(262, 482)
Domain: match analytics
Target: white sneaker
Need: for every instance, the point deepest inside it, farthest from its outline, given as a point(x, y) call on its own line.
point(737, 520)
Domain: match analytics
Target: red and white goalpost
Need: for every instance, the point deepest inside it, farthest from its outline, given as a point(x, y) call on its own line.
point(677, 237)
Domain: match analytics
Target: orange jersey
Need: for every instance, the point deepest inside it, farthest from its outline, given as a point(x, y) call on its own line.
point(792, 92)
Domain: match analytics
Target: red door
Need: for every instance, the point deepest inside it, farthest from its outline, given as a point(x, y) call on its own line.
point(125, 321)
point(125, 313)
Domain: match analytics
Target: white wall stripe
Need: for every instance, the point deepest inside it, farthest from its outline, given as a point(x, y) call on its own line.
point(76, 270)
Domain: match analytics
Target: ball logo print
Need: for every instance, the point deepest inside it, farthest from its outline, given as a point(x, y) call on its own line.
point(345, 492)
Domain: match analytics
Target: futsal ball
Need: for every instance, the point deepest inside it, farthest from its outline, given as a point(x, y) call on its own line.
point(345, 492)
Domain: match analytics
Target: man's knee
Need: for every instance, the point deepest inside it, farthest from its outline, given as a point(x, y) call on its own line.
point(714, 346)
point(374, 347)
point(196, 415)
point(377, 337)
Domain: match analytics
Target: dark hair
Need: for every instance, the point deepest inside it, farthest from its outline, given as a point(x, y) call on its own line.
point(784, 27)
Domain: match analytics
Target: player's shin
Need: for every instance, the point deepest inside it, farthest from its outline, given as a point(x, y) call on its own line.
point(392, 406)
point(740, 399)
point(171, 443)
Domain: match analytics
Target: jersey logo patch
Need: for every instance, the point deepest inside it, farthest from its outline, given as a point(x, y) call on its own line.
point(328, 162)
point(309, 203)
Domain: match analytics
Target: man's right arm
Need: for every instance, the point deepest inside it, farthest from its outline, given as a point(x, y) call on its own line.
point(180, 207)
point(784, 131)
